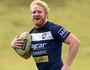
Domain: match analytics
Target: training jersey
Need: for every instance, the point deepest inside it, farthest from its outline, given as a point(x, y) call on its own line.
point(47, 46)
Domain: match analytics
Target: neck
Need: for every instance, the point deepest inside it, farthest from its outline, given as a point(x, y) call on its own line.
point(42, 24)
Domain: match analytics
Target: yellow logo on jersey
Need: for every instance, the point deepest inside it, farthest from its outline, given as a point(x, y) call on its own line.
point(41, 59)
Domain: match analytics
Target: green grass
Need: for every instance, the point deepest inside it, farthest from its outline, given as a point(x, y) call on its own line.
point(15, 18)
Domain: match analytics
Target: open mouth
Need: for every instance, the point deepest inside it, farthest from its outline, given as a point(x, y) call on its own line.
point(37, 17)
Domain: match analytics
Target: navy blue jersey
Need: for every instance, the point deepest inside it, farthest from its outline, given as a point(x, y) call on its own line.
point(47, 46)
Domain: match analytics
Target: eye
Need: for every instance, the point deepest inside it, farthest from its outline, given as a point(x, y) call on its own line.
point(33, 12)
point(39, 12)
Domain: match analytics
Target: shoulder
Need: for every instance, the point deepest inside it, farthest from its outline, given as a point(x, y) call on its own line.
point(52, 26)
point(58, 31)
point(31, 30)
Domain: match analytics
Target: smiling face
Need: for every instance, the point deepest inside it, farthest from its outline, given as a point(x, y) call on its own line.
point(39, 16)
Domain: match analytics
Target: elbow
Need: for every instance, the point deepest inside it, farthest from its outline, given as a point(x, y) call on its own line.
point(78, 43)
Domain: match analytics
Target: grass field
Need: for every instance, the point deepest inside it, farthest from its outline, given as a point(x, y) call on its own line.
point(15, 18)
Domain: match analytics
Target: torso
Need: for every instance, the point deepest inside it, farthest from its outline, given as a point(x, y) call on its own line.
point(47, 46)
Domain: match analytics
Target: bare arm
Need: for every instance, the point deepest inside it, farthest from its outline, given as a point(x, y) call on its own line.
point(73, 43)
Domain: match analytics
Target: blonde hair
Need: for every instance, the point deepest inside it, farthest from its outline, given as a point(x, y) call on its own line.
point(40, 3)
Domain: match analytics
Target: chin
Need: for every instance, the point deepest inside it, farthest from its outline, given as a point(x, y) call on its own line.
point(38, 25)
point(38, 22)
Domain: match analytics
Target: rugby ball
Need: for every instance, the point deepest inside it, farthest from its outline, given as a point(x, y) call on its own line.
point(27, 44)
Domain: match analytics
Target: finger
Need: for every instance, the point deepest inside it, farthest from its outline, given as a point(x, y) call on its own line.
point(18, 44)
point(21, 42)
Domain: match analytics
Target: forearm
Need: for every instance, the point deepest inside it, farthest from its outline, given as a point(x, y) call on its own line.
point(73, 49)
point(73, 43)
point(71, 55)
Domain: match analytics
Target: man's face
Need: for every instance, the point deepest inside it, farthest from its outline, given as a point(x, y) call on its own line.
point(39, 16)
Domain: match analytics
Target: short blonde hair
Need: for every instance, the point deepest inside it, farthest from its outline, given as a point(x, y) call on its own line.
point(41, 3)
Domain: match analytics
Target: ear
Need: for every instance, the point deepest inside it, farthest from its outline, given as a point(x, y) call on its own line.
point(46, 13)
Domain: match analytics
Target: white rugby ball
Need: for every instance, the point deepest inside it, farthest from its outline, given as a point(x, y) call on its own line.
point(27, 45)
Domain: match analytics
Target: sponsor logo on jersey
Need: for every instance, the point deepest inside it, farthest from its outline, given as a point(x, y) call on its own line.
point(42, 36)
point(41, 59)
point(39, 49)
point(63, 32)
point(38, 46)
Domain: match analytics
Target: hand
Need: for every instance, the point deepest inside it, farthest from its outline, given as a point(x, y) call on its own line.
point(17, 42)
point(66, 67)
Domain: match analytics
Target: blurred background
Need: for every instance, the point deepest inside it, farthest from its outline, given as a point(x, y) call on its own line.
point(15, 18)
